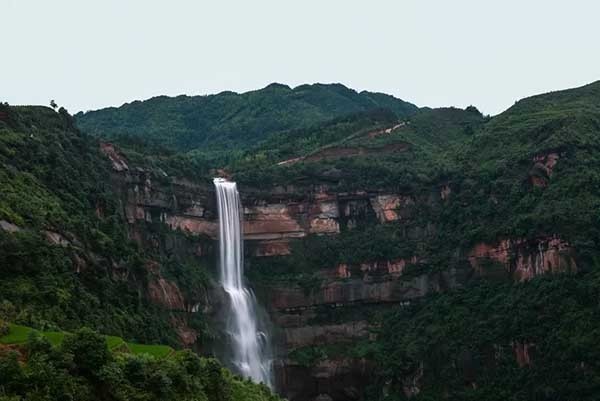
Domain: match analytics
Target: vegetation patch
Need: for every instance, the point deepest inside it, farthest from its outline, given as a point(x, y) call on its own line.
point(18, 334)
point(82, 367)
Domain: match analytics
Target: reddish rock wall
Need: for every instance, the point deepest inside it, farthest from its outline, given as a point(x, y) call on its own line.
point(525, 259)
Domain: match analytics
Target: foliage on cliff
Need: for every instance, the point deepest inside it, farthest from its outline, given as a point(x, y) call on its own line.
point(230, 119)
point(65, 259)
point(81, 367)
point(532, 341)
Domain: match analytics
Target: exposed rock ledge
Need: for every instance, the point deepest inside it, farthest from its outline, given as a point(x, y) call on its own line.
point(525, 259)
point(269, 224)
point(9, 227)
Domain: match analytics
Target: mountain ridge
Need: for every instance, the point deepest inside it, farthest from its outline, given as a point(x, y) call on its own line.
point(230, 119)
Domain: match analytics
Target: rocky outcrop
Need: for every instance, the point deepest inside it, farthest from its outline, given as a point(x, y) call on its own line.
point(117, 160)
point(331, 379)
point(273, 221)
point(166, 294)
point(57, 239)
point(393, 268)
point(378, 283)
point(523, 352)
point(445, 191)
point(368, 282)
point(324, 214)
point(170, 219)
point(191, 225)
point(187, 336)
point(547, 162)
point(270, 224)
point(161, 291)
point(542, 169)
point(302, 336)
point(524, 259)
point(9, 227)
point(272, 248)
point(390, 207)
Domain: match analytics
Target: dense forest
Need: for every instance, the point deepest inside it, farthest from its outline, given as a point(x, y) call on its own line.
point(228, 119)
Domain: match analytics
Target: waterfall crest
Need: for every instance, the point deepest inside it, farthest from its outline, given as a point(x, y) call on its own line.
point(250, 342)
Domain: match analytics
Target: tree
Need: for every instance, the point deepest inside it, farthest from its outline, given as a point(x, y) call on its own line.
point(89, 349)
point(53, 104)
point(11, 374)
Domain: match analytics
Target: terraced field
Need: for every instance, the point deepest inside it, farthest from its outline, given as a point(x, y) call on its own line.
point(18, 335)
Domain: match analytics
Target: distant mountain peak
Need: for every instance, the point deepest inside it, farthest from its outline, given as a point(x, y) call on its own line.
point(276, 85)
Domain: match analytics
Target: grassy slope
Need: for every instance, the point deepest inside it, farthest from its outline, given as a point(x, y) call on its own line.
point(19, 335)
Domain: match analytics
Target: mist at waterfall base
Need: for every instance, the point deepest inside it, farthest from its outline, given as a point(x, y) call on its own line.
point(248, 340)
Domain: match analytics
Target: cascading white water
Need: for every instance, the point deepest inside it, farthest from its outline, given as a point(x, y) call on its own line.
point(249, 341)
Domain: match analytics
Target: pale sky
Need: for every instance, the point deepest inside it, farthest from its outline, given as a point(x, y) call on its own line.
point(92, 54)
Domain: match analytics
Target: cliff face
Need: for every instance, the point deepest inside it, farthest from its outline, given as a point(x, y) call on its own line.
point(174, 217)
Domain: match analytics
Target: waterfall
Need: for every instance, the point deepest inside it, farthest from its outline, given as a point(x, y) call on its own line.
point(249, 341)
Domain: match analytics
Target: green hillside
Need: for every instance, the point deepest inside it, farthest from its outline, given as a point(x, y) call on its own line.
point(522, 193)
point(229, 119)
point(63, 232)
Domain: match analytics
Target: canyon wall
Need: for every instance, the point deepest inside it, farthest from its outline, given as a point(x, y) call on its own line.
point(170, 216)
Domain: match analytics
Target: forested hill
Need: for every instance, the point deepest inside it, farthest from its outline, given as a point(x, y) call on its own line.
point(230, 119)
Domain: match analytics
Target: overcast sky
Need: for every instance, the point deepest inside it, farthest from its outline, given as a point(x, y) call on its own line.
point(93, 54)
